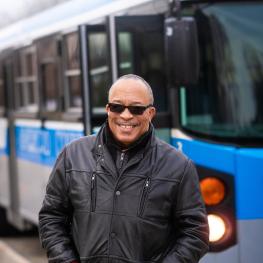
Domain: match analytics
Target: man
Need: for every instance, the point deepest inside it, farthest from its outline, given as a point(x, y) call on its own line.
point(123, 195)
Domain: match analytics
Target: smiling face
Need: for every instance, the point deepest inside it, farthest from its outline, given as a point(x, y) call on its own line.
point(127, 127)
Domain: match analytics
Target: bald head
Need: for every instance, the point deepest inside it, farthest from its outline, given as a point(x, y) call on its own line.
point(132, 77)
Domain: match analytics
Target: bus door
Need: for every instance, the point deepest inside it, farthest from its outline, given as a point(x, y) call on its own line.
point(139, 49)
point(96, 74)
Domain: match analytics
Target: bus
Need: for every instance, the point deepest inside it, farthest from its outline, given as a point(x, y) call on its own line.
point(204, 62)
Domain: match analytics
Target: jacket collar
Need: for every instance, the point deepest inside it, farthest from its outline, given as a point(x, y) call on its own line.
point(101, 151)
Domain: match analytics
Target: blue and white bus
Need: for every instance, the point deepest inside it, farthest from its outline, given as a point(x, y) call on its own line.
point(204, 61)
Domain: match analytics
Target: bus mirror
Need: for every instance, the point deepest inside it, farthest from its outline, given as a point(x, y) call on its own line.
point(182, 52)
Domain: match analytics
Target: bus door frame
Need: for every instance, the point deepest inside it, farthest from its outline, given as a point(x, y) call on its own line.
point(90, 119)
point(162, 118)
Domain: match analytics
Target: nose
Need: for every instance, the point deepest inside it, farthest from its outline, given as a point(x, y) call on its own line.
point(126, 114)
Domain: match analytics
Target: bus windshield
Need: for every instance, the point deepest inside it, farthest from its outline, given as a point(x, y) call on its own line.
point(228, 100)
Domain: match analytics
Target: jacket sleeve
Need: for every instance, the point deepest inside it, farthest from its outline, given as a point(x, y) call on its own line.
point(55, 216)
point(190, 221)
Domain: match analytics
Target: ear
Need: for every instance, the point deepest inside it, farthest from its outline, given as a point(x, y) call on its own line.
point(152, 112)
point(107, 108)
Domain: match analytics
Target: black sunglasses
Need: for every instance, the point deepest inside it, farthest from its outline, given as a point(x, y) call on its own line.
point(135, 110)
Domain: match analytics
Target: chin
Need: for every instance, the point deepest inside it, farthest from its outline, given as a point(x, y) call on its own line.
point(126, 141)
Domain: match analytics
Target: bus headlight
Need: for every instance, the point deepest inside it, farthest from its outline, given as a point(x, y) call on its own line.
point(217, 227)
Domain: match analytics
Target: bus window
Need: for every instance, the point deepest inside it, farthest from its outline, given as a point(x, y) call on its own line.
point(49, 77)
point(49, 69)
point(31, 79)
point(125, 53)
point(19, 87)
point(227, 102)
point(141, 51)
point(72, 72)
point(26, 81)
point(99, 70)
point(19, 97)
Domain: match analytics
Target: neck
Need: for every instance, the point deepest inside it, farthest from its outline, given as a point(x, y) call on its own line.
point(110, 139)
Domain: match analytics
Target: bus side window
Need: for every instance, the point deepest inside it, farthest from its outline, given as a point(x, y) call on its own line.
point(49, 70)
point(73, 99)
point(99, 70)
point(18, 85)
point(26, 93)
point(49, 78)
point(125, 53)
point(31, 75)
point(140, 51)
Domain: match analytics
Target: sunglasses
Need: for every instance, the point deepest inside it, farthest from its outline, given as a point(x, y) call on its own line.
point(135, 110)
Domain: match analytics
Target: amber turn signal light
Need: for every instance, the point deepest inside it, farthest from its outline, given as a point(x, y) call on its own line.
point(213, 190)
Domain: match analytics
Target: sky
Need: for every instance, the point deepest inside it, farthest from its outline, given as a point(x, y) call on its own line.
point(14, 10)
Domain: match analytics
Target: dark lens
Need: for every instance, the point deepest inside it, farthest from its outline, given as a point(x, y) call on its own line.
point(136, 110)
point(118, 108)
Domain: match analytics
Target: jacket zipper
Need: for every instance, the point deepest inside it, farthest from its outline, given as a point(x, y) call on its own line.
point(121, 160)
point(144, 196)
point(93, 192)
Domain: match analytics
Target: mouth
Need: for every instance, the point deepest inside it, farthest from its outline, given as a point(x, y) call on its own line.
point(127, 127)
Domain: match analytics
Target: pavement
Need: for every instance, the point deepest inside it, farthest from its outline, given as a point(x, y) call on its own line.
point(21, 250)
point(8, 255)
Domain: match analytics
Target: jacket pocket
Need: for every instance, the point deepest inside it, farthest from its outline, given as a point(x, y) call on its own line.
point(144, 195)
point(93, 192)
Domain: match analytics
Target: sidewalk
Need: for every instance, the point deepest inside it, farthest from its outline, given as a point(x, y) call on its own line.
point(8, 255)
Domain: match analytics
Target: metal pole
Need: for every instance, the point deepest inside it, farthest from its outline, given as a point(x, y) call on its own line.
point(113, 48)
point(86, 100)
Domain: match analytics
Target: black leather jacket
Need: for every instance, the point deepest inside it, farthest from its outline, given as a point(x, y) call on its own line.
point(150, 210)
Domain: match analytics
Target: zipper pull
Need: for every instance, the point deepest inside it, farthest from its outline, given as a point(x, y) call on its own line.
point(92, 181)
point(147, 182)
point(122, 156)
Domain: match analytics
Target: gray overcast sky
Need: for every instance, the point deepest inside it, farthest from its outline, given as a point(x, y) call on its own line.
point(13, 10)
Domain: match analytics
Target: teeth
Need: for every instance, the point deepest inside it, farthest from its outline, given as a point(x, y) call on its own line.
point(126, 126)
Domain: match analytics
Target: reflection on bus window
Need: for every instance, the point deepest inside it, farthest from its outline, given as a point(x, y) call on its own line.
point(50, 87)
point(75, 95)
point(72, 73)
point(72, 46)
point(228, 102)
point(125, 53)
point(141, 52)
point(26, 93)
point(99, 70)
point(20, 98)
point(48, 57)
point(29, 65)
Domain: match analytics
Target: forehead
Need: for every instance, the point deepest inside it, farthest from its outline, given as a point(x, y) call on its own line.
point(129, 91)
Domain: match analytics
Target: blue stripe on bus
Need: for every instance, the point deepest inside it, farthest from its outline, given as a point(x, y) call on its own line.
point(213, 156)
point(249, 181)
point(42, 145)
point(246, 165)
point(2, 151)
point(5, 149)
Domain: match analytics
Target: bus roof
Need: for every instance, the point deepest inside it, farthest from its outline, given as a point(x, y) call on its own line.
point(59, 18)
